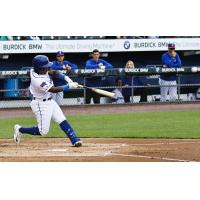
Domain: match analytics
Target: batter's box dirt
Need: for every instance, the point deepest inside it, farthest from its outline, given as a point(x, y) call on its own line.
point(100, 149)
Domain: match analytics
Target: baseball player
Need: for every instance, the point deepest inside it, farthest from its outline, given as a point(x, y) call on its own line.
point(170, 59)
point(42, 105)
point(61, 64)
point(95, 63)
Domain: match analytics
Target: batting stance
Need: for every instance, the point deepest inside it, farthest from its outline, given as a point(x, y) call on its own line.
point(170, 59)
point(42, 105)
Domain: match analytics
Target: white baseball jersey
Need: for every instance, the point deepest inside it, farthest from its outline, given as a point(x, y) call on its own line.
point(44, 110)
point(40, 84)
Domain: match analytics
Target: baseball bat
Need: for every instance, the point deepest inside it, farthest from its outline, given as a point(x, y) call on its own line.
point(99, 91)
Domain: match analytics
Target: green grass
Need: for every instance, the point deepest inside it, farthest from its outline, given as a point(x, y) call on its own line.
point(177, 124)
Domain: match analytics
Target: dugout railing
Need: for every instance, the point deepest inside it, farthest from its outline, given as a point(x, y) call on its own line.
point(14, 90)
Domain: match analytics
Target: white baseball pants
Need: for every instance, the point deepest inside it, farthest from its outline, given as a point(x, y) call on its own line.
point(45, 111)
point(168, 87)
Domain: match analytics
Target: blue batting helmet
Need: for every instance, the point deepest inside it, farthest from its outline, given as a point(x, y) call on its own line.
point(41, 61)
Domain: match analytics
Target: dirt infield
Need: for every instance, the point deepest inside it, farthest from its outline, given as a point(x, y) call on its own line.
point(106, 109)
point(95, 150)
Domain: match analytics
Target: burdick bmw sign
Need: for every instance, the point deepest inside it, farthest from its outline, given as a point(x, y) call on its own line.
point(114, 45)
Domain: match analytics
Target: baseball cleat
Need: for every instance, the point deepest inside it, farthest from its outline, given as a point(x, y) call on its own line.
point(17, 134)
point(78, 144)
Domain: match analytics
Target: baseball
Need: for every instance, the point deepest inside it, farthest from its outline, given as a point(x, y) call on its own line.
point(194, 69)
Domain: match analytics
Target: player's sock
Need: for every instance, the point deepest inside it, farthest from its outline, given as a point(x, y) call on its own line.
point(31, 131)
point(65, 126)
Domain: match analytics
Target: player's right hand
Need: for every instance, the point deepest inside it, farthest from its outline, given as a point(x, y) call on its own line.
point(73, 85)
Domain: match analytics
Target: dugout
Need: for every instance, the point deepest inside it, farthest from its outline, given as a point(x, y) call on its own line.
point(18, 61)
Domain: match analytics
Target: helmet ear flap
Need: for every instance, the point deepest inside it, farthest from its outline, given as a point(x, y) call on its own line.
point(40, 70)
point(35, 70)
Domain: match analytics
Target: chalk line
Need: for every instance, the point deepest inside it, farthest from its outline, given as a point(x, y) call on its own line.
point(165, 143)
point(148, 157)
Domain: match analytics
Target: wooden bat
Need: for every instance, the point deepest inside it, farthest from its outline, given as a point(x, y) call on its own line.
point(99, 91)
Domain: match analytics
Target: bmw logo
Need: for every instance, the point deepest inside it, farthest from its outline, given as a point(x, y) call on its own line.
point(127, 45)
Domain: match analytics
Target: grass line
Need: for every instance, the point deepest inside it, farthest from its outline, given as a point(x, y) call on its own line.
point(177, 124)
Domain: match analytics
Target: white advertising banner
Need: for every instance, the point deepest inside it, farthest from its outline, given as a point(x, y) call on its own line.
point(114, 45)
